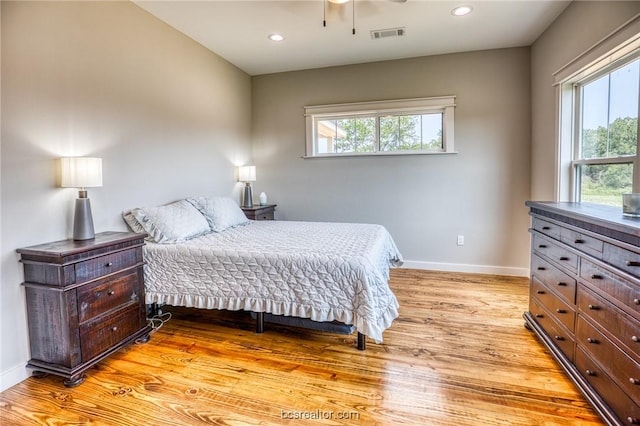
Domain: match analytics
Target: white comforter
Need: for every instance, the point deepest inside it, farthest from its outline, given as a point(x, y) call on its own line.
point(321, 271)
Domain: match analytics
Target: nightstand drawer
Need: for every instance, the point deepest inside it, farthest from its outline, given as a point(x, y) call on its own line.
point(265, 216)
point(260, 212)
point(105, 295)
point(104, 265)
point(98, 336)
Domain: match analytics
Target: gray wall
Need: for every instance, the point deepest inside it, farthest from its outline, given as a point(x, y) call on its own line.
point(578, 28)
point(425, 201)
point(169, 118)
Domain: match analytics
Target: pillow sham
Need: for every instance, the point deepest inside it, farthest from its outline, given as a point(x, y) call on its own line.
point(170, 223)
point(221, 212)
point(133, 223)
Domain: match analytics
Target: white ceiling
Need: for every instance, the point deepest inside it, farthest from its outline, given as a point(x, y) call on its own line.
point(237, 30)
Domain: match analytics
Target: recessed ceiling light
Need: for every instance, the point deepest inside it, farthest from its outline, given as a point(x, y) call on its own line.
point(461, 10)
point(338, 1)
point(275, 37)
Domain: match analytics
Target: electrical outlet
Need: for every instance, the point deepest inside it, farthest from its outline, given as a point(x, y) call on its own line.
point(460, 240)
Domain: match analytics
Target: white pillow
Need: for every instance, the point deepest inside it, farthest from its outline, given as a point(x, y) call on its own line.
point(133, 223)
point(221, 212)
point(171, 223)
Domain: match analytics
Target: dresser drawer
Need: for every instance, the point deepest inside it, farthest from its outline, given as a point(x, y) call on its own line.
point(546, 228)
point(562, 312)
point(622, 290)
point(107, 294)
point(627, 411)
point(562, 338)
point(556, 253)
point(554, 278)
point(621, 258)
point(622, 327)
point(624, 370)
point(98, 336)
point(104, 265)
point(582, 242)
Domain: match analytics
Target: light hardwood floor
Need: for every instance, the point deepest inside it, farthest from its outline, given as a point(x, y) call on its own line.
point(457, 355)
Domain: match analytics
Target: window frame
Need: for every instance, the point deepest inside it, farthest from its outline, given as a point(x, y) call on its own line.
point(616, 47)
point(415, 106)
point(575, 85)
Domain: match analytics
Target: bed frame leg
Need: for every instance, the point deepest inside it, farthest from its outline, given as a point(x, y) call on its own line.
point(259, 322)
point(362, 341)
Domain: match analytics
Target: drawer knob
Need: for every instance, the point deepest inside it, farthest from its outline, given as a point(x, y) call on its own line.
point(114, 328)
point(540, 292)
point(542, 246)
point(591, 340)
point(108, 264)
point(634, 381)
point(561, 311)
point(596, 277)
point(564, 258)
point(635, 339)
point(546, 228)
point(578, 241)
point(636, 301)
point(590, 373)
point(593, 307)
point(539, 316)
point(562, 284)
point(632, 263)
point(633, 421)
point(111, 293)
point(541, 268)
point(559, 338)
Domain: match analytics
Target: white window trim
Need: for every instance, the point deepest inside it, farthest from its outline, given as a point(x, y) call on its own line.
point(442, 104)
point(618, 45)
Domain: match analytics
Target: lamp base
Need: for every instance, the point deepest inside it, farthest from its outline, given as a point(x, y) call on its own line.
point(247, 200)
point(83, 221)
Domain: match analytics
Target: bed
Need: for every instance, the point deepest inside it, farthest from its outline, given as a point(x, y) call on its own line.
point(322, 272)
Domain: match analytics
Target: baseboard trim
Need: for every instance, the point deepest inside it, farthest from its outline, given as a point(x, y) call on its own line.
point(13, 376)
point(472, 269)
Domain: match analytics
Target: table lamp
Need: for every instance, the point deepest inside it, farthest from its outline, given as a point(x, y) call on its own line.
point(247, 174)
point(81, 172)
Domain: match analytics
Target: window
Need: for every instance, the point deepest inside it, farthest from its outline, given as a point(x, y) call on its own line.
point(409, 126)
point(605, 160)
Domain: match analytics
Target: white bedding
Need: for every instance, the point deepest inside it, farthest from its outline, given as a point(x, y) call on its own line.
point(321, 271)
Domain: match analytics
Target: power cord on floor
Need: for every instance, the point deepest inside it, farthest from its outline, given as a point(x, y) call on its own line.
point(155, 322)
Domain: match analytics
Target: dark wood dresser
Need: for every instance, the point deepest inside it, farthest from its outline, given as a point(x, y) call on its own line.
point(85, 300)
point(585, 301)
point(260, 212)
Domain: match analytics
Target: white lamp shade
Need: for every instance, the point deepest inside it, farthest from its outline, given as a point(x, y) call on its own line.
point(81, 172)
point(247, 174)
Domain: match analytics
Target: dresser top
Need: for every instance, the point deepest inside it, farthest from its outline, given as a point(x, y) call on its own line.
point(588, 214)
point(64, 248)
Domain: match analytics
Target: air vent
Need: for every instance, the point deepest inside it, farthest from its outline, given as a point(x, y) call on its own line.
point(390, 32)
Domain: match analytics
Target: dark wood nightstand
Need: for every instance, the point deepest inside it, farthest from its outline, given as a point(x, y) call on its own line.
point(260, 212)
point(85, 300)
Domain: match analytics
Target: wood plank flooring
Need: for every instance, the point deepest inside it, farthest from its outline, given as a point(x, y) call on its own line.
point(457, 355)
